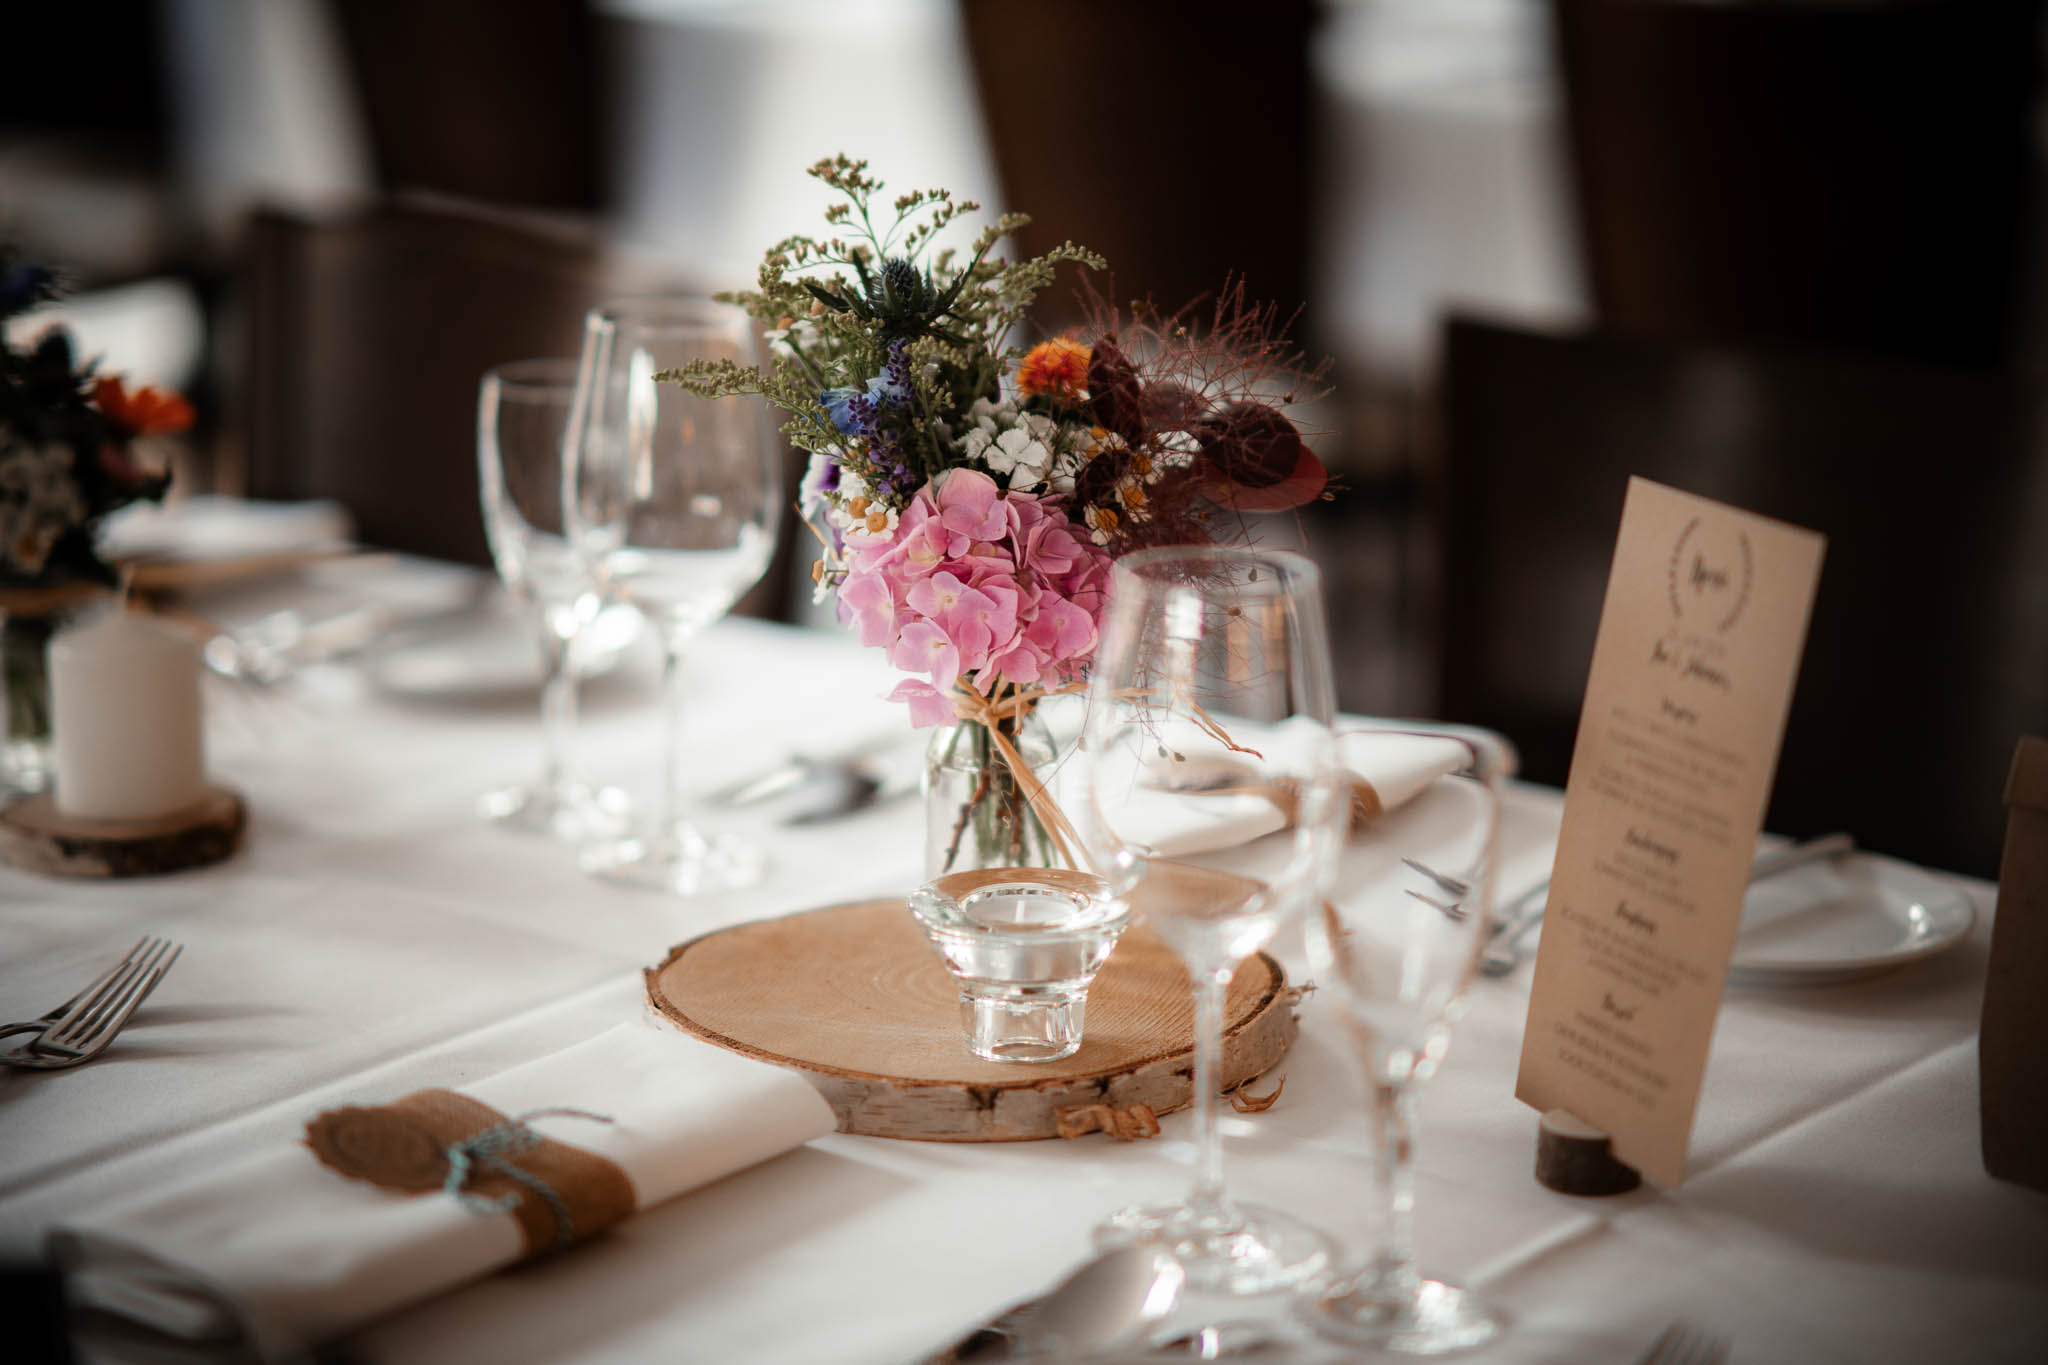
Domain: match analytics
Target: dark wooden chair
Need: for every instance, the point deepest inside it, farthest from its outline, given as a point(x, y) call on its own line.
point(500, 101)
point(368, 332)
point(1928, 652)
point(1851, 176)
point(1176, 139)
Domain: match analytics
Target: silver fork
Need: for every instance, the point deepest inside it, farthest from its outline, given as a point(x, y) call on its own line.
point(86, 1024)
point(49, 1017)
point(1685, 1343)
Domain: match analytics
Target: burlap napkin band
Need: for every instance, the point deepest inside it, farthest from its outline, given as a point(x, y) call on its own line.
point(440, 1140)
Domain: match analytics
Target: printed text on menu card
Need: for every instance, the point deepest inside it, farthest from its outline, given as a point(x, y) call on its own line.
point(1698, 649)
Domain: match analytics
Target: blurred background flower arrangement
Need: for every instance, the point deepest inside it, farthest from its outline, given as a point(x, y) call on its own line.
point(67, 459)
point(66, 446)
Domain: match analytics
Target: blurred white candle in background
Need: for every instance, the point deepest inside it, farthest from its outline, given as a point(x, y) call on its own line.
point(124, 719)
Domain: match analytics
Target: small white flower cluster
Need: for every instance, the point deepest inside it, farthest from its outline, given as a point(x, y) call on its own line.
point(1022, 448)
point(39, 502)
point(803, 330)
point(846, 511)
point(1128, 500)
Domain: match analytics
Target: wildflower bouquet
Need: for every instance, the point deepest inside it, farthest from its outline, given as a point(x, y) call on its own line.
point(65, 437)
point(969, 493)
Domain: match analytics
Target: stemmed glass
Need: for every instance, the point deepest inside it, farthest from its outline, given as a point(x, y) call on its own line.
point(1212, 683)
point(1397, 941)
point(522, 417)
point(674, 500)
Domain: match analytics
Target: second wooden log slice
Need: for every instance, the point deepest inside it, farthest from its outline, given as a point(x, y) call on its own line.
point(38, 837)
point(853, 996)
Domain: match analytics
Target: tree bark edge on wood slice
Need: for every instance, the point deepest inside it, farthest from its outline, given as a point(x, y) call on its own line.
point(855, 998)
point(38, 837)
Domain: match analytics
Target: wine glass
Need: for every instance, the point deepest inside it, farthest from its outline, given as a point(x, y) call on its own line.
point(522, 417)
point(1210, 699)
point(675, 501)
point(1397, 942)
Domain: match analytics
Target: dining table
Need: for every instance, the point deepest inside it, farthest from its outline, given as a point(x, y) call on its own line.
point(374, 936)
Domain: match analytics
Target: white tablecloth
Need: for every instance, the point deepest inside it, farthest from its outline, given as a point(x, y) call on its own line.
point(375, 938)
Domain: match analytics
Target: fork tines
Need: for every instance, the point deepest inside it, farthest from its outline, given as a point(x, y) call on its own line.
point(84, 1026)
point(1685, 1343)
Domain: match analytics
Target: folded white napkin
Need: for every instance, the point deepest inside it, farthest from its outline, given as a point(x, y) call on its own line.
point(211, 527)
point(1394, 766)
point(264, 1258)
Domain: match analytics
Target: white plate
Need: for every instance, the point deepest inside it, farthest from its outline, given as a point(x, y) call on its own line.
point(491, 657)
point(1850, 917)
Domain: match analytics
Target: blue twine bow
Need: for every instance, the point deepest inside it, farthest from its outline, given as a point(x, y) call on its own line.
point(486, 1150)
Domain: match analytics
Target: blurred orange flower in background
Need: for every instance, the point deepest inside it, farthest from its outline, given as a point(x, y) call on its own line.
point(145, 412)
point(1056, 369)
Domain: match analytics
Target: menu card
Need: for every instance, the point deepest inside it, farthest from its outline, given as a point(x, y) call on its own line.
point(1699, 645)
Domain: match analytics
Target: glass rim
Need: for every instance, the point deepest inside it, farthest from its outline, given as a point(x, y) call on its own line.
point(1300, 569)
point(670, 315)
point(536, 376)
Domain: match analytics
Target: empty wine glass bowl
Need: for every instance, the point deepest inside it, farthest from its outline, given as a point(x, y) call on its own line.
point(673, 501)
point(1396, 943)
point(1024, 944)
point(1209, 794)
point(523, 414)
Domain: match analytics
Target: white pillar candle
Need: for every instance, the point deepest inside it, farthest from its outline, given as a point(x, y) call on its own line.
point(124, 719)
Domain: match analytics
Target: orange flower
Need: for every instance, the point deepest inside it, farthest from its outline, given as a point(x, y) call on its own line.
point(1056, 368)
point(145, 412)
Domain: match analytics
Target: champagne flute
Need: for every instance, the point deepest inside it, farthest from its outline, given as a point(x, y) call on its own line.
point(522, 418)
point(1397, 941)
point(1212, 685)
point(674, 500)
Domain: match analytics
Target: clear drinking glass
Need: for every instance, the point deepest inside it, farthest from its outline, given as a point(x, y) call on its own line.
point(1024, 944)
point(1212, 685)
point(1397, 942)
point(521, 420)
point(674, 500)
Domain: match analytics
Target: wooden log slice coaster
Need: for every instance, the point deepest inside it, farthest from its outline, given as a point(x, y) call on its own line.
point(36, 836)
point(854, 997)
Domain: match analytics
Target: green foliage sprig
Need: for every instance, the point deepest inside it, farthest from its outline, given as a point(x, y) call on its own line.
point(833, 329)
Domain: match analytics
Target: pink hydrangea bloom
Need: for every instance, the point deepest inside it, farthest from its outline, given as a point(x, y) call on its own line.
point(976, 585)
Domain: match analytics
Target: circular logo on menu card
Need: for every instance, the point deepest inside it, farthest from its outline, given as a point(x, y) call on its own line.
point(1712, 568)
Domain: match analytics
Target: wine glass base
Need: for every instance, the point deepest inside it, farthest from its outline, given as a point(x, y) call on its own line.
point(1414, 1317)
point(1253, 1251)
point(572, 815)
point(682, 862)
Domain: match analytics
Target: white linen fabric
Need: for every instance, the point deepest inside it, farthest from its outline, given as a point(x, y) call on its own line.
point(375, 938)
point(269, 1255)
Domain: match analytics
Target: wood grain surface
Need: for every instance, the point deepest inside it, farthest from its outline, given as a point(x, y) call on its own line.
point(855, 997)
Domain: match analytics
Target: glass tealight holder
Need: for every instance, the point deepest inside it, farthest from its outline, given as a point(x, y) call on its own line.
point(1023, 943)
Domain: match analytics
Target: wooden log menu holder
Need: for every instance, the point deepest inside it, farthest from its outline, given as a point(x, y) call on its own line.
point(37, 837)
point(1574, 1157)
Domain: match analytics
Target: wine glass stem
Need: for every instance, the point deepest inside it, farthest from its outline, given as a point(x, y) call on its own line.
point(1206, 1195)
point(557, 709)
point(1393, 1140)
point(672, 641)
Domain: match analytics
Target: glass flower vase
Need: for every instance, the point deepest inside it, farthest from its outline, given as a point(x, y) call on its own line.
point(25, 691)
point(975, 808)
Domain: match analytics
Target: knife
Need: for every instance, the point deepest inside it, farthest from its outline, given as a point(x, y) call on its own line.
point(797, 768)
point(1104, 1304)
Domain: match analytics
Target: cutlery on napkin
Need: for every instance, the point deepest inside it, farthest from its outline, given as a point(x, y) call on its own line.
point(269, 1256)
